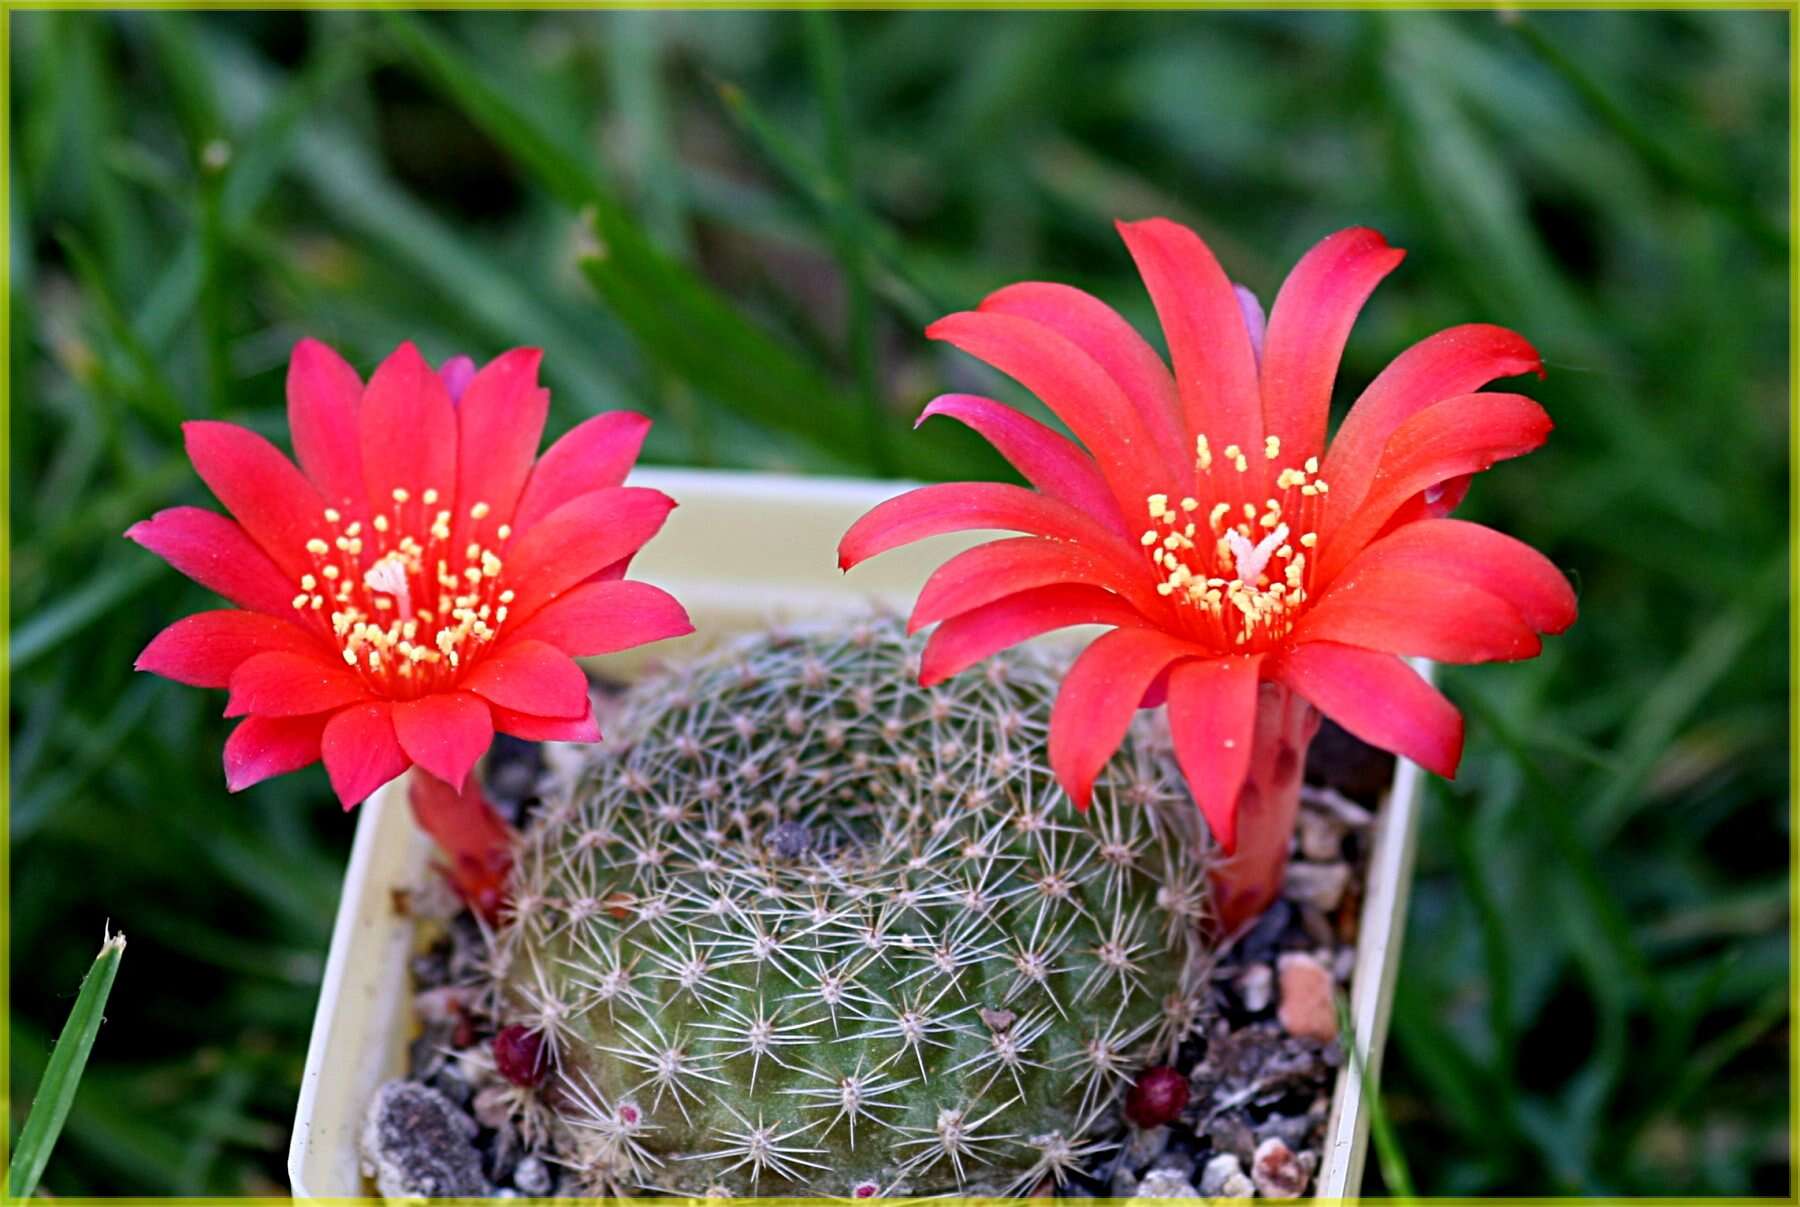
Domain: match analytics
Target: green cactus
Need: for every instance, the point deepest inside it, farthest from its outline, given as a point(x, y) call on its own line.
point(805, 927)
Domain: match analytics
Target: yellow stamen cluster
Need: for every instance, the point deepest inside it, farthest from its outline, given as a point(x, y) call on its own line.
point(407, 613)
point(1245, 580)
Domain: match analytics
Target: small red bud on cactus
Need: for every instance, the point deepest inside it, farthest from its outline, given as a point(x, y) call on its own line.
point(1157, 1097)
point(519, 1055)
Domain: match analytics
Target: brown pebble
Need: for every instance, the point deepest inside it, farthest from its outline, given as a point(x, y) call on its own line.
point(1321, 836)
point(1306, 1009)
point(1320, 885)
point(997, 1021)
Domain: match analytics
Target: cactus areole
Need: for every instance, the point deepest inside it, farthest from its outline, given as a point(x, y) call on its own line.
point(804, 927)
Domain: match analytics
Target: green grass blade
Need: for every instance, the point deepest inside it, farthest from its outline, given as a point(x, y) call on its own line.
point(1600, 927)
point(825, 55)
point(562, 168)
point(685, 325)
point(1703, 186)
point(635, 54)
point(1716, 650)
point(153, 392)
point(900, 285)
point(44, 631)
point(57, 1090)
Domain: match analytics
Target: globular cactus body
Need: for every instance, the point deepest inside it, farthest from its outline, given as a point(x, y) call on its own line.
point(805, 927)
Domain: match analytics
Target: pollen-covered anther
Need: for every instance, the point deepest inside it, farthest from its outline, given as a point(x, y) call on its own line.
point(1243, 586)
point(407, 613)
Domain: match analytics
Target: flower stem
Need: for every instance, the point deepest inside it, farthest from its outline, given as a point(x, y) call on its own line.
point(1247, 883)
point(470, 834)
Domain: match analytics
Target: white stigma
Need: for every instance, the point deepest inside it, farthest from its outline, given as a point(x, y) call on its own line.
point(1252, 559)
point(389, 577)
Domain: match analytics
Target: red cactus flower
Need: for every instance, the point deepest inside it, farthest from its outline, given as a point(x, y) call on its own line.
point(1232, 553)
point(419, 581)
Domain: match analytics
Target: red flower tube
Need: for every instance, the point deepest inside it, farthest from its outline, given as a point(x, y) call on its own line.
point(418, 582)
point(1245, 569)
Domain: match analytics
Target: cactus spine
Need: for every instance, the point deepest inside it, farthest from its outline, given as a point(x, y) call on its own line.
point(805, 927)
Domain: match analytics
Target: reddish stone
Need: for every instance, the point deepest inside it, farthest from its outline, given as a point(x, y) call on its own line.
point(1307, 1010)
point(1278, 1172)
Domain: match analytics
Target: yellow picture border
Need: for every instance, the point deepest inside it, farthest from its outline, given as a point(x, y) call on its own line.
point(1791, 7)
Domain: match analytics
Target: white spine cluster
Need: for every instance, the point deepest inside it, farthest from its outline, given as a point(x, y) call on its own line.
point(804, 927)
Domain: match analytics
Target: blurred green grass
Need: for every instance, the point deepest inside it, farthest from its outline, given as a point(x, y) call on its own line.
point(739, 223)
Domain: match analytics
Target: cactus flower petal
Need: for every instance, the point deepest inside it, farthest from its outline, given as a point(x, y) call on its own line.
point(1048, 460)
point(965, 507)
point(1309, 327)
point(207, 648)
point(597, 453)
point(444, 733)
point(1253, 550)
point(999, 568)
point(546, 729)
point(531, 676)
point(457, 372)
point(1454, 361)
point(581, 538)
point(261, 747)
point(1458, 436)
point(270, 497)
point(603, 617)
point(407, 425)
point(969, 637)
point(500, 421)
point(1212, 723)
point(1069, 381)
point(1209, 341)
point(281, 683)
point(217, 553)
point(361, 752)
point(324, 394)
point(417, 581)
point(1492, 561)
point(1378, 698)
point(1098, 699)
point(1421, 614)
point(1114, 344)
